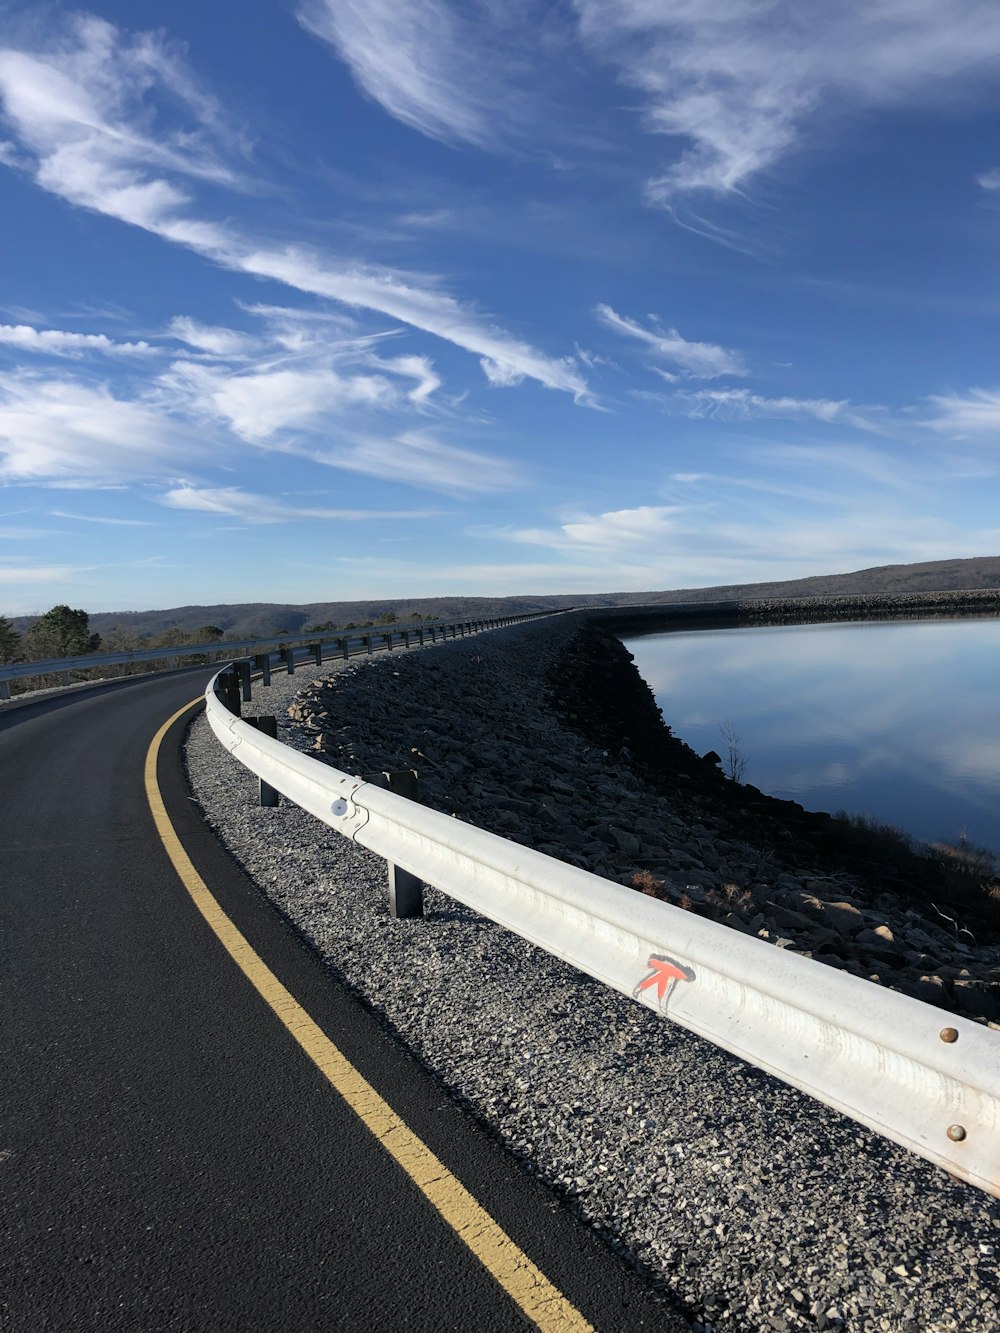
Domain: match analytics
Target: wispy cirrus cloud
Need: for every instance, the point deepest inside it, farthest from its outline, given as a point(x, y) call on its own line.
point(423, 61)
point(743, 82)
point(26, 575)
point(212, 339)
point(742, 405)
point(966, 416)
point(56, 342)
point(233, 502)
point(78, 109)
point(103, 519)
point(416, 458)
point(696, 360)
point(989, 180)
point(63, 430)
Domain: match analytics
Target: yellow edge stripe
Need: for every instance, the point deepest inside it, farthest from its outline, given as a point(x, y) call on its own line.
point(543, 1303)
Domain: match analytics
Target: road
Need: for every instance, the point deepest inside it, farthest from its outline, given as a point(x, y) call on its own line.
point(170, 1157)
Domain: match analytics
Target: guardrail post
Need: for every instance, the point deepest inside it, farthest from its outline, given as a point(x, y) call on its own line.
point(317, 651)
point(406, 638)
point(388, 640)
point(406, 891)
point(4, 689)
point(64, 677)
point(267, 726)
point(262, 663)
point(230, 683)
point(366, 639)
point(420, 637)
point(243, 671)
point(288, 657)
point(344, 651)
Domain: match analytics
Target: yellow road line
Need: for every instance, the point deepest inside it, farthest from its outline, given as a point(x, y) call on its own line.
point(509, 1266)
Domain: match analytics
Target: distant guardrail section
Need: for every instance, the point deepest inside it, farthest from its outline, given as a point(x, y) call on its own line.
point(315, 646)
point(923, 1078)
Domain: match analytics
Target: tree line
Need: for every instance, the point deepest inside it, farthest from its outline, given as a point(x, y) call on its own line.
point(65, 631)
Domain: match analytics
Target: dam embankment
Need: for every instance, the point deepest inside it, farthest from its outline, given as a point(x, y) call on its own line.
point(749, 1204)
point(547, 735)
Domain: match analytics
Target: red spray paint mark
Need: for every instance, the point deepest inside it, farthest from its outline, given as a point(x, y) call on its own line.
point(664, 975)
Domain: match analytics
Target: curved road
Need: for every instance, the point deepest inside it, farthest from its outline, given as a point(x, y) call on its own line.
point(170, 1159)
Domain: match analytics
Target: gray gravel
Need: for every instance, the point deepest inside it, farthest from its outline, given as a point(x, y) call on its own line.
point(754, 1207)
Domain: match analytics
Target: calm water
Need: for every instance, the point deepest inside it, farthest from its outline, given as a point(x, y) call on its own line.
point(899, 721)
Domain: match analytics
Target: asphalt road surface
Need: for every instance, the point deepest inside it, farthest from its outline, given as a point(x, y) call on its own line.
point(170, 1159)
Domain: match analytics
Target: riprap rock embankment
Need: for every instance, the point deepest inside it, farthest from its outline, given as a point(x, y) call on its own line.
point(547, 735)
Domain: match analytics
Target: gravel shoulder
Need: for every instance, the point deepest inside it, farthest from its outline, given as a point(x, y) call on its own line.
point(750, 1205)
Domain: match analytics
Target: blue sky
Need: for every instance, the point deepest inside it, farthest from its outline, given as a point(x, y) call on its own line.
point(330, 299)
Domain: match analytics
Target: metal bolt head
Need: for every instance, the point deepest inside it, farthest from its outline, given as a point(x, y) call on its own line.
point(949, 1034)
point(956, 1133)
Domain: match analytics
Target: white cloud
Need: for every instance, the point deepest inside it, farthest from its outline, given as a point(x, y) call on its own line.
point(695, 359)
point(418, 368)
point(211, 338)
point(615, 530)
point(968, 415)
point(75, 109)
point(742, 80)
point(989, 180)
point(417, 459)
point(40, 574)
point(408, 298)
point(65, 431)
point(97, 518)
point(259, 404)
point(421, 61)
point(232, 502)
point(55, 342)
point(741, 404)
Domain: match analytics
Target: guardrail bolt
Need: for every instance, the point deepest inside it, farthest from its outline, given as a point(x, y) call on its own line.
point(956, 1133)
point(949, 1034)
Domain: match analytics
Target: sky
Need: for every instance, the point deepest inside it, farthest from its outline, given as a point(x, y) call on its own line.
point(309, 300)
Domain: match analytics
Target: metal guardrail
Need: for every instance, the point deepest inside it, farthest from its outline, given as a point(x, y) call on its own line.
point(319, 645)
point(913, 1073)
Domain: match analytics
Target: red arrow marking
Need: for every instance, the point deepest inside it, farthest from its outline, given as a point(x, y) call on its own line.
point(663, 974)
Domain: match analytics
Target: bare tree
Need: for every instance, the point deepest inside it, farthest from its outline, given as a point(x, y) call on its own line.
point(735, 763)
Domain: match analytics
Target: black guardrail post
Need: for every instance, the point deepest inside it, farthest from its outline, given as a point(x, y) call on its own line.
point(229, 688)
point(243, 672)
point(267, 725)
point(262, 663)
point(406, 891)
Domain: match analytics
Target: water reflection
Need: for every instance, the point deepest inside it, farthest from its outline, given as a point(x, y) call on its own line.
point(898, 720)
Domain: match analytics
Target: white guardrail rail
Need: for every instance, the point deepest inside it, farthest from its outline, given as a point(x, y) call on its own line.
point(915, 1074)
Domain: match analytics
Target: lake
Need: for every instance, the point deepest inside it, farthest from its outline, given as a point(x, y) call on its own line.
point(896, 720)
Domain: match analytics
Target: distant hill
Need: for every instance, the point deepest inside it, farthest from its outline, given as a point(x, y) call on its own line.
point(265, 619)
